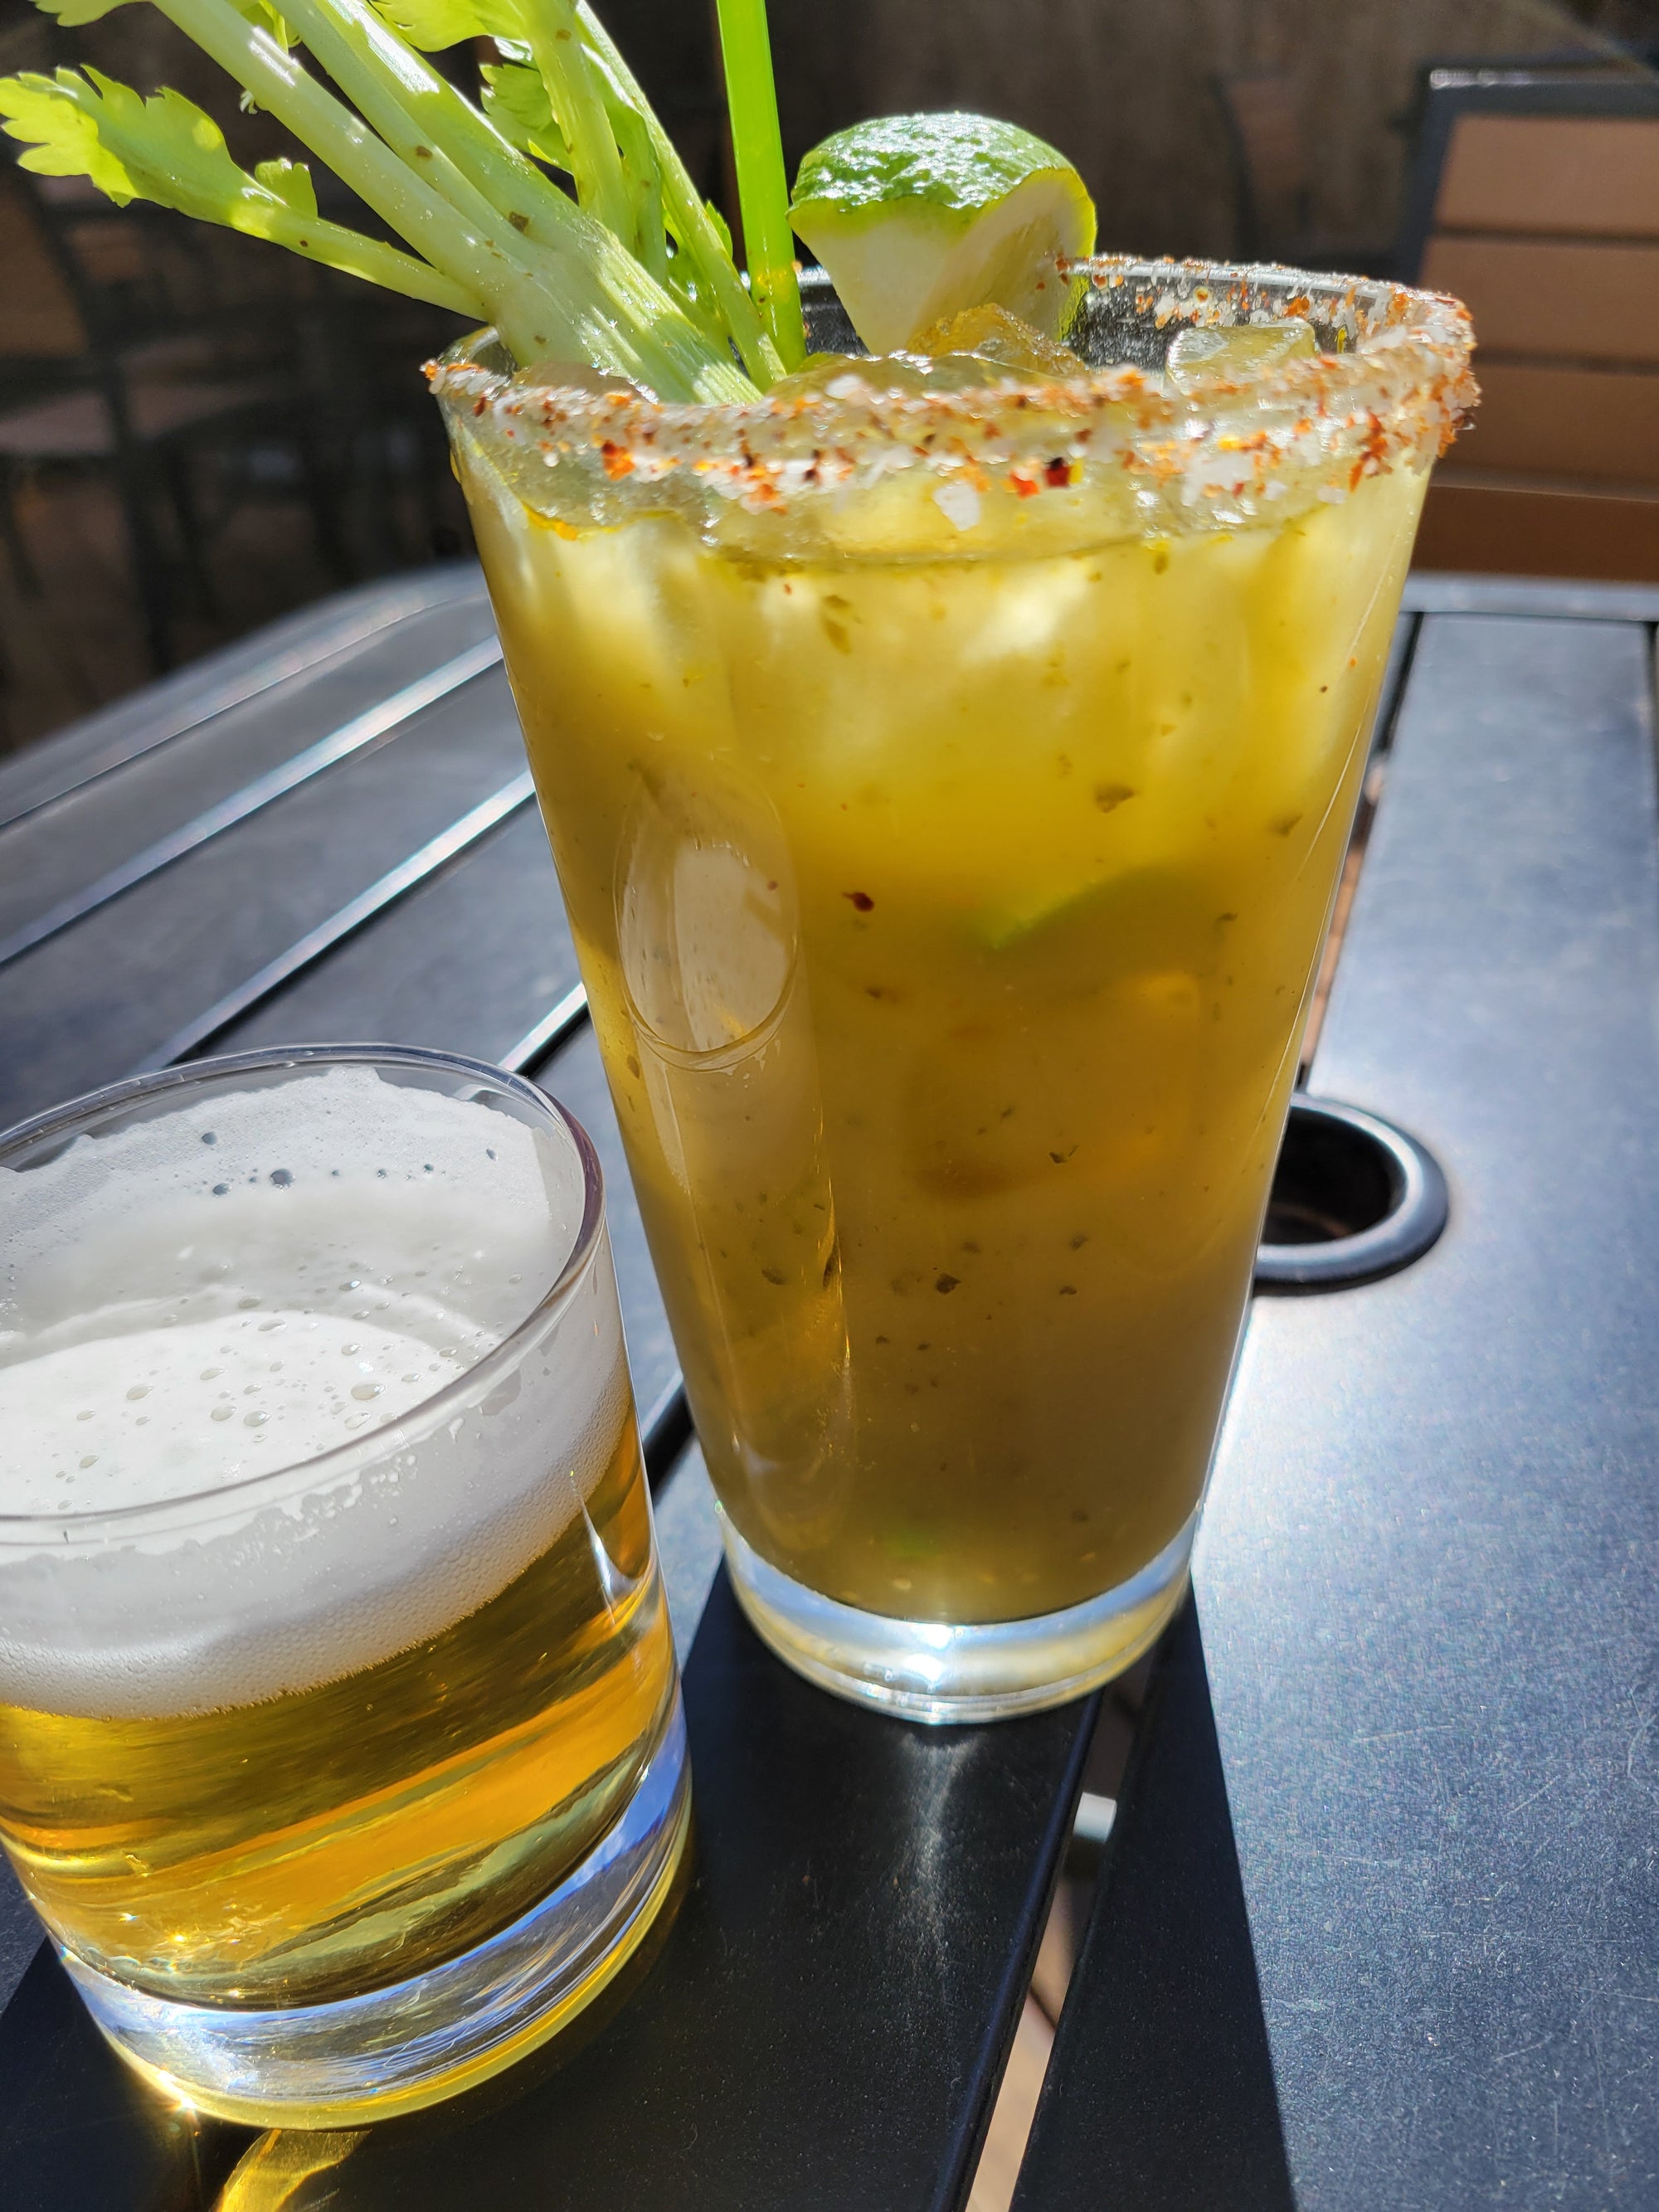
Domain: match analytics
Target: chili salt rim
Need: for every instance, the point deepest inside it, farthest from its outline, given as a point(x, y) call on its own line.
point(1395, 386)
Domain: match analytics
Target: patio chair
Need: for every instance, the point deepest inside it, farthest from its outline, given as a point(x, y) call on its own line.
point(1273, 179)
point(1536, 200)
point(127, 344)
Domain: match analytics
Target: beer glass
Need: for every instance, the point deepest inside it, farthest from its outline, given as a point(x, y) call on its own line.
point(340, 1747)
point(949, 771)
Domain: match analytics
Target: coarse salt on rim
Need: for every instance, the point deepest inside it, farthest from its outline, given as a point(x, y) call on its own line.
point(1392, 385)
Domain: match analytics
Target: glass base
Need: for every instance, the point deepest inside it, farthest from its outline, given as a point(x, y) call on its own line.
point(931, 1670)
point(366, 2058)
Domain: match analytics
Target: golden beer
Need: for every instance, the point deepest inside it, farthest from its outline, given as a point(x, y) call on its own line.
point(346, 1835)
point(359, 1659)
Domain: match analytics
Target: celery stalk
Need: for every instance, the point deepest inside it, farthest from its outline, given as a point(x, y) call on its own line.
point(546, 305)
point(414, 111)
point(533, 319)
point(588, 278)
point(337, 247)
point(417, 114)
point(688, 219)
point(167, 150)
point(550, 26)
point(763, 187)
point(640, 170)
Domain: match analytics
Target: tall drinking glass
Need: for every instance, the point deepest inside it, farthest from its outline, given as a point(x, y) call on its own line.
point(948, 787)
point(340, 1737)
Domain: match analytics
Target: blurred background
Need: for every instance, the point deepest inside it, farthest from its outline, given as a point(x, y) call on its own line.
point(199, 433)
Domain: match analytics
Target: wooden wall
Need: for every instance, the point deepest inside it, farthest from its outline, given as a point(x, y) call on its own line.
point(1124, 88)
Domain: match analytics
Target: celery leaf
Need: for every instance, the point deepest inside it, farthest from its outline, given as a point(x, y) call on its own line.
point(164, 148)
point(63, 142)
point(432, 25)
point(515, 100)
point(72, 14)
point(291, 181)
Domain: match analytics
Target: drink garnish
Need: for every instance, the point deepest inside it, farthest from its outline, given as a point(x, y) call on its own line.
point(628, 270)
point(763, 189)
point(918, 217)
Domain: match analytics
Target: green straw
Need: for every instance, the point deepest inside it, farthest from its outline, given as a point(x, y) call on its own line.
point(763, 188)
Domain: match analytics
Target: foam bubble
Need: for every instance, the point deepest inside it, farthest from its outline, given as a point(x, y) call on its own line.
point(243, 1286)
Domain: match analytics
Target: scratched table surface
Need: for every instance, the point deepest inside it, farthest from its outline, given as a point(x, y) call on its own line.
point(1378, 1922)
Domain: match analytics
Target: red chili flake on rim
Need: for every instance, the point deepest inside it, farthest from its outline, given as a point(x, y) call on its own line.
point(1024, 485)
point(618, 461)
point(861, 900)
point(1058, 474)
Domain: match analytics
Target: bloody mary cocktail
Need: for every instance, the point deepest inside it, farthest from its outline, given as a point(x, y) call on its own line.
point(948, 786)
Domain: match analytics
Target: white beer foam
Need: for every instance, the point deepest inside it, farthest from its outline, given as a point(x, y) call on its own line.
point(222, 1400)
point(338, 1249)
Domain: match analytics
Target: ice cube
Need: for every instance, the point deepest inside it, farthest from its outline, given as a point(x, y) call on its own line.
point(992, 334)
point(980, 347)
point(839, 376)
point(1247, 350)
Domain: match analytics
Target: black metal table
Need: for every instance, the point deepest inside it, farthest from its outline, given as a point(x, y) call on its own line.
point(1378, 1925)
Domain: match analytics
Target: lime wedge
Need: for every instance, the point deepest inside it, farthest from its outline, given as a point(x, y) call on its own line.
point(918, 217)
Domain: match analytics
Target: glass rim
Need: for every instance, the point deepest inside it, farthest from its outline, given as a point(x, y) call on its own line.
point(1436, 322)
point(1392, 386)
point(69, 1119)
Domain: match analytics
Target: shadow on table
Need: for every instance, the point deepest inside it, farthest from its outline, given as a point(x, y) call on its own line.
point(825, 2028)
point(1160, 2093)
point(78, 2130)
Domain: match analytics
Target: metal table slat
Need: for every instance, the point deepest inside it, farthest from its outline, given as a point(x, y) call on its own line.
point(1379, 1922)
point(108, 993)
point(353, 740)
point(827, 2023)
point(473, 960)
point(296, 651)
point(207, 1029)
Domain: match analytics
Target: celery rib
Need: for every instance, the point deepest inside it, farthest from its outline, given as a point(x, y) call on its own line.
point(580, 296)
point(688, 219)
point(762, 186)
point(587, 278)
point(623, 319)
point(334, 246)
point(620, 317)
point(596, 166)
point(280, 83)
